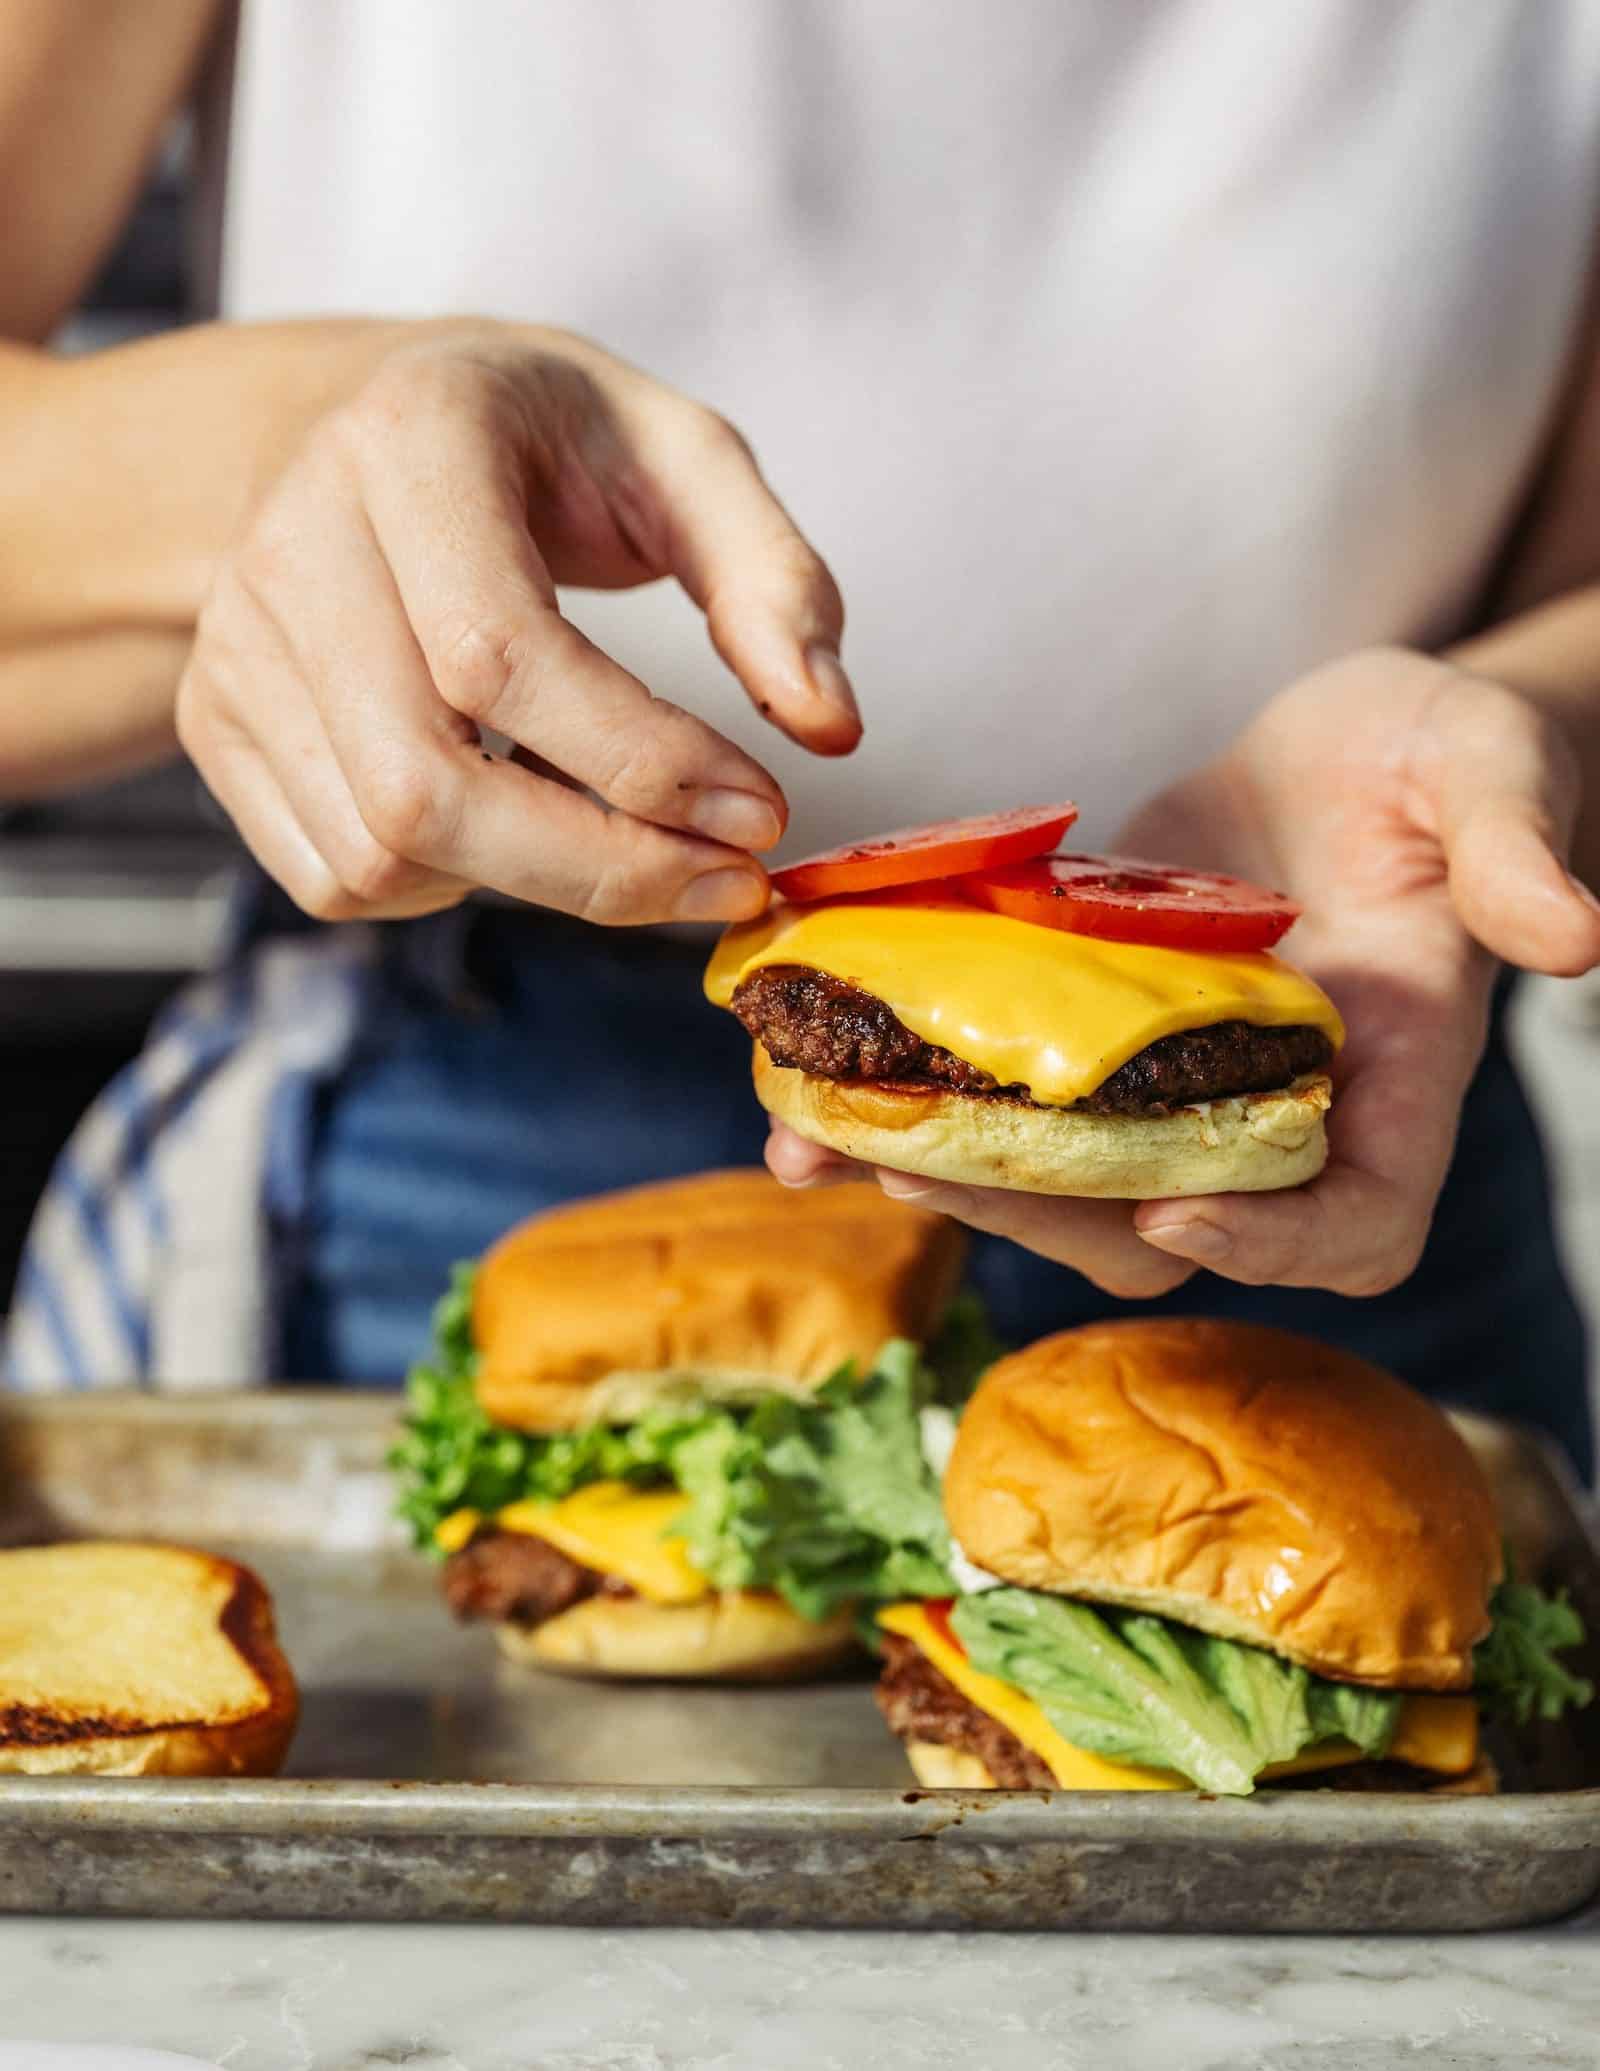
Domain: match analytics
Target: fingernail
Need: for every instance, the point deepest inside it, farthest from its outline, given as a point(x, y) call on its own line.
point(905, 1186)
point(829, 680)
point(1583, 892)
point(738, 818)
point(721, 895)
point(1191, 1238)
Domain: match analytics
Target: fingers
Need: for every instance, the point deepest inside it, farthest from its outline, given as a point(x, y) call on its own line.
point(1094, 1238)
point(1360, 1228)
point(772, 608)
point(446, 491)
point(800, 1163)
point(1502, 788)
point(425, 792)
point(245, 785)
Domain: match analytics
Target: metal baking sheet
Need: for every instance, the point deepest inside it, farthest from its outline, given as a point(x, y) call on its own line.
point(431, 1781)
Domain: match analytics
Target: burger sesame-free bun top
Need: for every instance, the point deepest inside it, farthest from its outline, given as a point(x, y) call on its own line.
point(1241, 1480)
point(727, 1280)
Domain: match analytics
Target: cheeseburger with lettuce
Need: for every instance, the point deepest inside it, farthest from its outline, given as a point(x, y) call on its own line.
point(1210, 1554)
point(666, 1432)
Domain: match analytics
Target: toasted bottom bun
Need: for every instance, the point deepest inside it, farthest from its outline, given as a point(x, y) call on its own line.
point(737, 1636)
point(134, 1660)
point(1247, 1145)
point(950, 1769)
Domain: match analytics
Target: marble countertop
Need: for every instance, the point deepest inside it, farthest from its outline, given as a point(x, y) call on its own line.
point(316, 1998)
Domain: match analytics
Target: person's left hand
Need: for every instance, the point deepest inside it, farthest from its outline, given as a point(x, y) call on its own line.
point(1421, 816)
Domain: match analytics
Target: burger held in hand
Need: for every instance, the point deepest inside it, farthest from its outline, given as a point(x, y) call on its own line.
point(664, 1432)
point(958, 1001)
point(1208, 1554)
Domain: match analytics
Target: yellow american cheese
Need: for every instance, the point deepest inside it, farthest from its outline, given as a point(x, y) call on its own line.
point(1074, 1768)
point(1032, 1005)
point(1437, 1733)
point(614, 1529)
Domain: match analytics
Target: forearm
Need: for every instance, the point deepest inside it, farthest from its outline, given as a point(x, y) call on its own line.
point(81, 711)
point(127, 473)
point(1551, 654)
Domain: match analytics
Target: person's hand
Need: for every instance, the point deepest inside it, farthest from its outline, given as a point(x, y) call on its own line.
point(1421, 816)
point(395, 590)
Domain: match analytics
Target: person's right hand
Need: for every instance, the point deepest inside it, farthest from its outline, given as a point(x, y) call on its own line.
point(395, 589)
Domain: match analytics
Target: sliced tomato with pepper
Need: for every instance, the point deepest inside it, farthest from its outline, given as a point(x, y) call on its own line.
point(949, 849)
point(1122, 900)
point(937, 1609)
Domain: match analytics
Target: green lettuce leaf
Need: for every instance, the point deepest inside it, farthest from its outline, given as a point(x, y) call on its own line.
point(1141, 1689)
point(827, 1500)
point(1515, 1670)
point(452, 1457)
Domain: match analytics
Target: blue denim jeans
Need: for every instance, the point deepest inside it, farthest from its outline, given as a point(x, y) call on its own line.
point(511, 1062)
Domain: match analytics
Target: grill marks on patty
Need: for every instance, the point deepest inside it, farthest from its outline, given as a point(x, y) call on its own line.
point(919, 1704)
point(508, 1576)
point(812, 1022)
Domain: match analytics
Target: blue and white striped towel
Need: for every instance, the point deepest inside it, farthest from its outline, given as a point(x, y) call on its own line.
point(150, 1262)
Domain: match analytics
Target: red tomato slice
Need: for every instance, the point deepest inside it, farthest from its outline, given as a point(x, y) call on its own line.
point(937, 1610)
point(915, 854)
point(1122, 900)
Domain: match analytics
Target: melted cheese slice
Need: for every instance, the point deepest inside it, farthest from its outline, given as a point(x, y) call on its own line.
point(1034, 1006)
point(1074, 1768)
point(1436, 1733)
point(614, 1529)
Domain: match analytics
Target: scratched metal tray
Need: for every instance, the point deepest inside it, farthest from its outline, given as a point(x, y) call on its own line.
point(431, 1781)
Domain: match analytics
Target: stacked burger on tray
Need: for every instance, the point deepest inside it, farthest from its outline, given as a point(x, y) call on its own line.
point(673, 1431)
point(1200, 1554)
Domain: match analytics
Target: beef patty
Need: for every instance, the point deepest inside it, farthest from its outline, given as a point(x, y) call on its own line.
point(918, 1704)
point(811, 1022)
point(509, 1576)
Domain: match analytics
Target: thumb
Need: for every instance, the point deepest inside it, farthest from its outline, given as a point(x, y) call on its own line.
point(1500, 785)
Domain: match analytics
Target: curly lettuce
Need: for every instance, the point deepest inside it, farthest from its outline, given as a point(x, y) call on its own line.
point(826, 1499)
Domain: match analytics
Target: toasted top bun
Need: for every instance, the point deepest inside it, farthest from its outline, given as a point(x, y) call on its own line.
point(725, 1282)
point(131, 1660)
point(1241, 1480)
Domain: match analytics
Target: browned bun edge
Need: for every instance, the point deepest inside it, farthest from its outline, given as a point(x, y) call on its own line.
point(1242, 1480)
point(1251, 1143)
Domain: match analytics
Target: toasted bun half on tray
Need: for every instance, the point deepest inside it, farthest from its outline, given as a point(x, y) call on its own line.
point(139, 1660)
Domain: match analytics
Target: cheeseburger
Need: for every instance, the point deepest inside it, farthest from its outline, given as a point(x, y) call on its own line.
point(956, 1001)
point(657, 1427)
point(1213, 1554)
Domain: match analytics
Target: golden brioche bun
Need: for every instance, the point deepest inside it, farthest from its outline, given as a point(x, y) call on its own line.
point(736, 1636)
point(1247, 1145)
point(718, 1284)
point(135, 1660)
point(1241, 1480)
point(947, 1768)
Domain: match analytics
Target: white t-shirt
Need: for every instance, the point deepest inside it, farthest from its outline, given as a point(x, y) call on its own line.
point(1124, 357)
